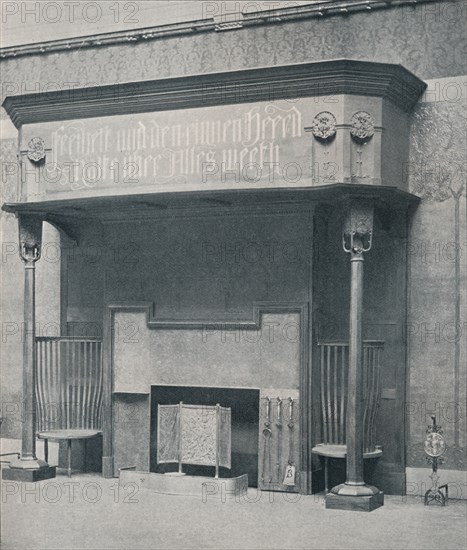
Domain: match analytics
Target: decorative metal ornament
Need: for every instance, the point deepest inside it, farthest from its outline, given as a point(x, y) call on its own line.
point(324, 126)
point(357, 232)
point(363, 126)
point(435, 447)
point(30, 238)
point(36, 149)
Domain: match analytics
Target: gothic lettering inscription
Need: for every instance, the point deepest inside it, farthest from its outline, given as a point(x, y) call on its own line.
point(198, 146)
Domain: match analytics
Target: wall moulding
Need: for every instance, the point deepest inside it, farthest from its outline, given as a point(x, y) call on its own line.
point(221, 22)
point(253, 323)
point(325, 78)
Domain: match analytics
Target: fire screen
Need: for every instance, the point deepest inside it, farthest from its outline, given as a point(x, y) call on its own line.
point(194, 434)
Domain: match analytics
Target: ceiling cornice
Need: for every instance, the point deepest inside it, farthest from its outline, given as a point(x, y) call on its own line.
point(325, 78)
point(325, 8)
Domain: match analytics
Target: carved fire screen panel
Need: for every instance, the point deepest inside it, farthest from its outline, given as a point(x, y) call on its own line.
point(167, 433)
point(194, 434)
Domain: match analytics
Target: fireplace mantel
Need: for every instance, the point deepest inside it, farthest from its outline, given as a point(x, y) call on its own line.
point(323, 78)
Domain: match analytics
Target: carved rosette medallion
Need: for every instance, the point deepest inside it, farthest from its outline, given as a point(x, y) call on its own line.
point(324, 126)
point(363, 126)
point(36, 149)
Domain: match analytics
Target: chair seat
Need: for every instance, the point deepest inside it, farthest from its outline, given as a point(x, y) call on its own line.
point(68, 434)
point(333, 450)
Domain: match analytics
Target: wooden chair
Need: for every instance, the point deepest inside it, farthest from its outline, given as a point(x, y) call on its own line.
point(69, 388)
point(334, 368)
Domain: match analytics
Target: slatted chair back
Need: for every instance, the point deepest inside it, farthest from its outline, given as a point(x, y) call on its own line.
point(334, 372)
point(69, 384)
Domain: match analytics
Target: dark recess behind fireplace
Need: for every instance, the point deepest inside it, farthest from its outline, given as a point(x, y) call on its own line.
point(245, 418)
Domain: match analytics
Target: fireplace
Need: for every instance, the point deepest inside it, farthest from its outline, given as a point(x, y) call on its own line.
point(244, 405)
point(241, 370)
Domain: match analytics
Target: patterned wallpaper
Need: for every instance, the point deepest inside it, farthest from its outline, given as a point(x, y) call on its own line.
point(9, 176)
point(425, 43)
point(438, 150)
point(438, 156)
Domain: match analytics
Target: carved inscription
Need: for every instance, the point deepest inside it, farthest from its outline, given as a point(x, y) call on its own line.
point(173, 147)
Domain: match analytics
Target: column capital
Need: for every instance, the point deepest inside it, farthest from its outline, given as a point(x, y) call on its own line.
point(30, 238)
point(357, 233)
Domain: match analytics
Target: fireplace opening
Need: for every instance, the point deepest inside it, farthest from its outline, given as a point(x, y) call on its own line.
point(244, 406)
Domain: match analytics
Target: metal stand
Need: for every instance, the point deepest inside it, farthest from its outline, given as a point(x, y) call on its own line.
point(435, 447)
point(436, 493)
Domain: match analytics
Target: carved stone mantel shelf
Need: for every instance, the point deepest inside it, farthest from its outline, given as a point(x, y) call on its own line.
point(325, 78)
point(69, 215)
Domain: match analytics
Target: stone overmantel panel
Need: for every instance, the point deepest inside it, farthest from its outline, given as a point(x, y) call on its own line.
point(303, 125)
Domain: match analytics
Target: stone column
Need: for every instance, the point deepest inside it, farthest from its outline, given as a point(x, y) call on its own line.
point(354, 494)
point(28, 467)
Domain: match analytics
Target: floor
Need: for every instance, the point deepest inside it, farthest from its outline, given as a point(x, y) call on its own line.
point(87, 511)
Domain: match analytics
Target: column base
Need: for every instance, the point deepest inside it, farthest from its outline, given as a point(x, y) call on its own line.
point(363, 498)
point(28, 471)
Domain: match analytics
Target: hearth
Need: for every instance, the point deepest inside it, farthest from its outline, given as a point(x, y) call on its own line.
point(244, 405)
